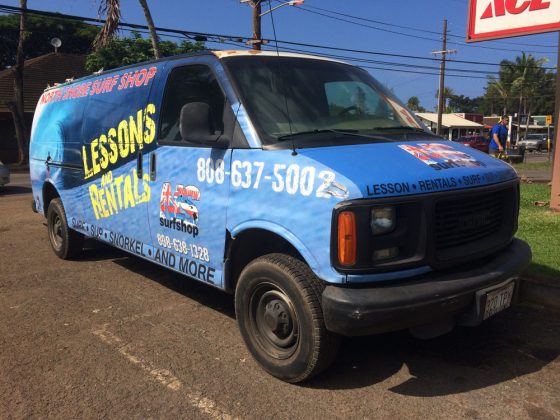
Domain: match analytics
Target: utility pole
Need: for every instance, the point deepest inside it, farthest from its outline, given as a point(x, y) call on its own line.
point(555, 191)
point(444, 51)
point(257, 35)
point(257, 40)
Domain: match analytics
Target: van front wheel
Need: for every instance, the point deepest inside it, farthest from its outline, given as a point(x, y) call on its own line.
point(278, 308)
point(65, 242)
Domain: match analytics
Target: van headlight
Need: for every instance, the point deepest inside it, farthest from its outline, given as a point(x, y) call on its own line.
point(369, 236)
point(383, 220)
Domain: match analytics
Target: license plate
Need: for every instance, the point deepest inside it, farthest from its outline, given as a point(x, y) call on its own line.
point(498, 300)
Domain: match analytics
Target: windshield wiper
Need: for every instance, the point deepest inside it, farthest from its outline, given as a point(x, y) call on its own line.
point(322, 131)
point(402, 127)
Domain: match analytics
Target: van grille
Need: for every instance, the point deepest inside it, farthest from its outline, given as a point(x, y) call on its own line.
point(466, 220)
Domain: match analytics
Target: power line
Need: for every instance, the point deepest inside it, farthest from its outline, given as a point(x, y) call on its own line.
point(402, 55)
point(405, 34)
point(212, 37)
point(414, 28)
point(391, 63)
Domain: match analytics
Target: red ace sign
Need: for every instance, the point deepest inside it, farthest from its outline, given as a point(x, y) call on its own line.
point(491, 19)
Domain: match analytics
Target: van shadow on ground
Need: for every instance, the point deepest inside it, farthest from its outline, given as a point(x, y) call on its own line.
point(200, 292)
point(14, 189)
point(514, 343)
point(517, 342)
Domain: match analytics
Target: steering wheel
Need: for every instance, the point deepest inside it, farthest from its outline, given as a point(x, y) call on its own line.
point(348, 109)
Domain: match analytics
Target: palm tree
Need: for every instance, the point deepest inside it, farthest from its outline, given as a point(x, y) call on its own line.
point(151, 27)
point(447, 93)
point(112, 9)
point(16, 106)
point(414, 104)
point(498, 88)
point(528, 74)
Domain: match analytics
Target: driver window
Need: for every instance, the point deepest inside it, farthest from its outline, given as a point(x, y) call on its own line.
point(188, 84)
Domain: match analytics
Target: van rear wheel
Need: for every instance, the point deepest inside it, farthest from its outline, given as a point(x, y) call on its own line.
point(277, 304)
point(65, 242)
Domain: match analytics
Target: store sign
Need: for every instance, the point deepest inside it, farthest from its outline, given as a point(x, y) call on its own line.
point(491, 19)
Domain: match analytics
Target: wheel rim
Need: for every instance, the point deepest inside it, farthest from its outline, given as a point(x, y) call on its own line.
point(56, 231)
point(274, 321)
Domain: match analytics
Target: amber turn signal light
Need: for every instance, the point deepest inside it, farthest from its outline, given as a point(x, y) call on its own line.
point(347, 238)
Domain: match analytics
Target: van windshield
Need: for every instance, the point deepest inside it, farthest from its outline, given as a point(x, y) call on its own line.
point(288, 97)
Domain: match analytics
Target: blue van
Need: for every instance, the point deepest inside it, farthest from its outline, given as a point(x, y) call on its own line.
point(299, 184)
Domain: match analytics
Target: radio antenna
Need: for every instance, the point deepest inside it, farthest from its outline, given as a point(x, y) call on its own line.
point(282, 75)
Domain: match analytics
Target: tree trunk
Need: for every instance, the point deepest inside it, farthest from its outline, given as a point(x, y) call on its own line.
point(257, 35)
point(19, 126)
point(151, 27)
point(529, 111)
point(519, 119)
point(17, 107)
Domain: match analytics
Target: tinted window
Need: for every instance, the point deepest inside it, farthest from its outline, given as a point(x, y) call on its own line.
point(185, 85)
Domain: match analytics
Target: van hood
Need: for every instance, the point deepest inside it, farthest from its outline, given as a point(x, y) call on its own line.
point(408, 168)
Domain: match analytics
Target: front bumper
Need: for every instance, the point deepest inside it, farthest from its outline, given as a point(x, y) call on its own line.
point(530, 146)
point(4, 180)
point(426, 299)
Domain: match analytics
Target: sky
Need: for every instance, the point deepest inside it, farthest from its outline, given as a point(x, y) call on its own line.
point(307, 24)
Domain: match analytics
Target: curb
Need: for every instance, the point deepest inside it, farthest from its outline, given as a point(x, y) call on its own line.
point(541, 292)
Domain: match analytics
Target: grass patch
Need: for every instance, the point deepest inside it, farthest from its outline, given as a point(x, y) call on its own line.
point(540, 227)
point(534, 166)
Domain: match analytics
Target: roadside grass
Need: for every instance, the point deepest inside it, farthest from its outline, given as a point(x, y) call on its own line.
point(534, 166)
point(540, 227)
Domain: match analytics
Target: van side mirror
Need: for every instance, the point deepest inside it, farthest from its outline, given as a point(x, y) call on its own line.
point(195, 125)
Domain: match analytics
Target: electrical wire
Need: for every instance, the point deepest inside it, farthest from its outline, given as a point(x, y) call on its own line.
point(410, 35)
point(212, 37)
point(414, 28)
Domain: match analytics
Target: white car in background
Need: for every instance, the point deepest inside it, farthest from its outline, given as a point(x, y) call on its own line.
point(4, 175)
point(536, 142)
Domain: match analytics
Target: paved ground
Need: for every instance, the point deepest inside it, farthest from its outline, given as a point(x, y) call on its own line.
point(112, 335)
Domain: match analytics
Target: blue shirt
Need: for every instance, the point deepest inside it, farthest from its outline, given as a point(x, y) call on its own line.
point(502, 132)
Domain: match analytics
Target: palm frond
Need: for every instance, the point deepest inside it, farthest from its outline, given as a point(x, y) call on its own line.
point(112, 10)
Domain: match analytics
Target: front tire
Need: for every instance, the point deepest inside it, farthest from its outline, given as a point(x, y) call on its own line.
point(278, 308)
point(65, 242)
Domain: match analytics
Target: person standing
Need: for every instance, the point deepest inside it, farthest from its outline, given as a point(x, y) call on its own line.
point(498, 138)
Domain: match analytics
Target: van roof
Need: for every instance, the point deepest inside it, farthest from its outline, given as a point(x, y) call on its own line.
point(229, 53)
point(220, 54)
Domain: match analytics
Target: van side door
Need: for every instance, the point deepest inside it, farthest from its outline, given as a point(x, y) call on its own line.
point(189, 181)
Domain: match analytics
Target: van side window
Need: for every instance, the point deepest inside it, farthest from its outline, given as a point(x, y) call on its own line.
point(188, 84)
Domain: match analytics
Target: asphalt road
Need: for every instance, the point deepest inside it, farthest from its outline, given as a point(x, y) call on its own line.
point(112, 335)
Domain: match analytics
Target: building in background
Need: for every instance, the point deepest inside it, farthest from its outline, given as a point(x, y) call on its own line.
point(453, 125)
point(39, 72)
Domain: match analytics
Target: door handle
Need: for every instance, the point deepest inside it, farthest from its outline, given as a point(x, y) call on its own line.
point(153, 166)
point(139, 165)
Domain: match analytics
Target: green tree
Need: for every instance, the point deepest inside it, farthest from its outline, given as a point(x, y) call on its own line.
point(462, 103)
point(76, 37)
point(523, 86)
point(134, 49)
point(413, 104)
point(447, 93)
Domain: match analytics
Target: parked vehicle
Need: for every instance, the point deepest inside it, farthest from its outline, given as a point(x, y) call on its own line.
point(4, 174)
point(476, 142)
point(534, 142)
point(299, 184)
